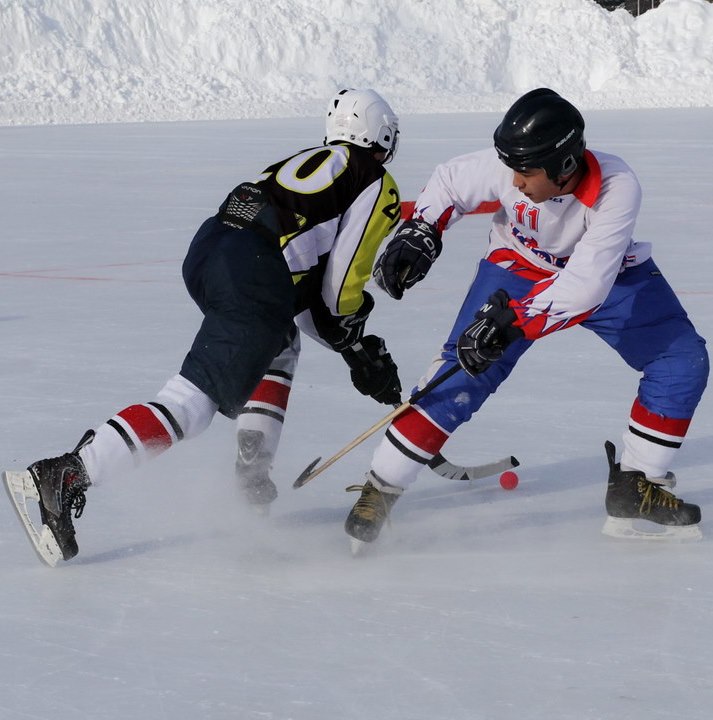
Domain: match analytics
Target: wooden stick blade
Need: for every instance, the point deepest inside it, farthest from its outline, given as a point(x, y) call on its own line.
point(305, 476)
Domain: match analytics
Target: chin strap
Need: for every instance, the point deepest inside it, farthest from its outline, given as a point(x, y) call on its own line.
point(561, 185)
point(566, 178)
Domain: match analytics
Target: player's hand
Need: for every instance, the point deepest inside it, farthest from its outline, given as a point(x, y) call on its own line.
point(485, 339)
point(408, 257)
point(373, 370)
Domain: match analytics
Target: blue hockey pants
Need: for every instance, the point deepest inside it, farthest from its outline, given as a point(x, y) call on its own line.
point(642, 319)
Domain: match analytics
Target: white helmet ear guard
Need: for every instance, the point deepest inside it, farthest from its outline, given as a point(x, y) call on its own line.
point(363, 118)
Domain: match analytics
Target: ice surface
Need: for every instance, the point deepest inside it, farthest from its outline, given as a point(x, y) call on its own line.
point(477, 604)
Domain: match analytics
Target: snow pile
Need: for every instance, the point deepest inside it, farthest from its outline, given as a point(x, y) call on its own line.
point(75, 61)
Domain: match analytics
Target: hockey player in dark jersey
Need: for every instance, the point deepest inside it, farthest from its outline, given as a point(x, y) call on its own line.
point(560, 253)
point(293, 249)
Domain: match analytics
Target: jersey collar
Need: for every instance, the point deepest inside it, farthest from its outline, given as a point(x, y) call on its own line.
point(590, 185)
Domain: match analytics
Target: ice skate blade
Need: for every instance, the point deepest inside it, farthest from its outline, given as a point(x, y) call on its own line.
point(20, 486)
point(259, 510)
point(358, 547)
point(628, 529)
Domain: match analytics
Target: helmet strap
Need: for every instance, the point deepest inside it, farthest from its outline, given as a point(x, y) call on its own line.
point(563, 180)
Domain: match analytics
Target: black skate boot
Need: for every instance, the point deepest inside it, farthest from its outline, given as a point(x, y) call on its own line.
point(371, 510)
point(252, 470)
point(631, 496)
point(60, 484)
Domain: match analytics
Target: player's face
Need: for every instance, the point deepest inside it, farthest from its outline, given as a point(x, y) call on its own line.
point(535, 185)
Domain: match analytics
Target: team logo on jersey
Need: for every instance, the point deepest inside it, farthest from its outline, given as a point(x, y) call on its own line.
point(531, 244)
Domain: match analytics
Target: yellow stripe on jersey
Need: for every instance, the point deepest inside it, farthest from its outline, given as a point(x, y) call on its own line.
point(382, 219)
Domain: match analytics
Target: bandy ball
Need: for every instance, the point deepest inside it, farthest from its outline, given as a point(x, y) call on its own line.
point(509, 480)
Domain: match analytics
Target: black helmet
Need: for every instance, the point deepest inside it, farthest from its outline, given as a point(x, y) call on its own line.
point(541, 130)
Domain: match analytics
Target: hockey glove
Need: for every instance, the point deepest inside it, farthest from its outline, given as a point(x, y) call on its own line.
point(484, 340)
point(408, 257)
point(342, 331)
point(373, 370)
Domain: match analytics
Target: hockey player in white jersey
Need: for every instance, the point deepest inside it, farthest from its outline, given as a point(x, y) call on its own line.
point(295, 246)
point(561, 253)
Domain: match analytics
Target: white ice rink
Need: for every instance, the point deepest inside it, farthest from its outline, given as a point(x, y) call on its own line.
point(477, 604)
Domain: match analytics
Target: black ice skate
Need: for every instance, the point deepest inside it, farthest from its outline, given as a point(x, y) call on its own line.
point(252, 470)
point(58, 485)
point(632, 497)
point(371, 510)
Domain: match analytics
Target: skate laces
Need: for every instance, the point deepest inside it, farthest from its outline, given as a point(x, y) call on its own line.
point(371, 505)
point(652, 494)
point(76, 497)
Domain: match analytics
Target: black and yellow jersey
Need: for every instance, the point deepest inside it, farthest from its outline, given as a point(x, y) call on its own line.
point(335, 204)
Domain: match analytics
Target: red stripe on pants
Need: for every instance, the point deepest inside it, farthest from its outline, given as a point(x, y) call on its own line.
point(420, 431)
point(676, 427)
point(271, 393)
point(147, 427)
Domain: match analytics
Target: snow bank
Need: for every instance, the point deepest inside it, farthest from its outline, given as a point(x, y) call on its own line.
point(78, 61)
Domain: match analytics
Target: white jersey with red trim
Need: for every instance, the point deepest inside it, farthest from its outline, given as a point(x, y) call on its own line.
point(573, 245)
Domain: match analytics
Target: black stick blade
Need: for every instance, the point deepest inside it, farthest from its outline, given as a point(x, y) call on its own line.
point(305, 476)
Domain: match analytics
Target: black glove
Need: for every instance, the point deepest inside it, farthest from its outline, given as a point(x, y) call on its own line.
point(484, 340)
point(408, 257)
point(341, 331)
point(373, 370)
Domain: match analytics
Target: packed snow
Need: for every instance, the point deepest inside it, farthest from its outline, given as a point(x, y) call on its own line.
point(73, 61)
point(477, 603)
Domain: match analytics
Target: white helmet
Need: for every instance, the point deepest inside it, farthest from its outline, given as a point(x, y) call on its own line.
point(363, 118)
